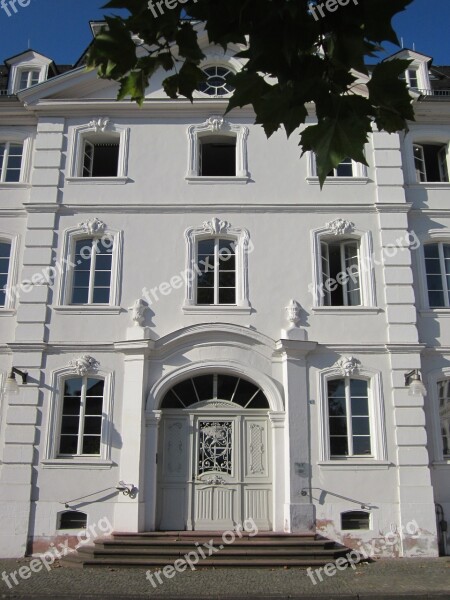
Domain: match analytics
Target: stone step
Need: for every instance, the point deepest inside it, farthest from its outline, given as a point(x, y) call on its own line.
point(226, 550)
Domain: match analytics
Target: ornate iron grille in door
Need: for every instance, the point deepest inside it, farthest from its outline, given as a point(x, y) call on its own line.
point(215, 447)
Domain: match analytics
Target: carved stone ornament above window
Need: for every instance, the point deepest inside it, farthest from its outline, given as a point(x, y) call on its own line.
point(84, 364)
point(216, 226)
point(215, 123)
point(340, 226)
point(99, 124)
point(348, 365)
point(93, 226)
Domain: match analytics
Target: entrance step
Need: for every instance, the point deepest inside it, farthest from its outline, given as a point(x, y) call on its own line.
point(157, 549)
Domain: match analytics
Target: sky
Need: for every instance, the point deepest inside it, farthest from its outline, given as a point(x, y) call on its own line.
point(60, 29)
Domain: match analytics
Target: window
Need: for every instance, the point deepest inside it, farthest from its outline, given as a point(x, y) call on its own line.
point(217, 149)
point(28, 78)
point(81, 417)
point(340, 264)
point(100, 158)
point(430, 162)
point(344, 169)
point(411, 76)
point(444, 416)
point(216, 84)
point(216, 274)
point(437, 267)
point(91, 282)
point(5, 258)
point(11, 154)
point(217, 156)
point(348, 417)
point(355, 519)
point(72, 519)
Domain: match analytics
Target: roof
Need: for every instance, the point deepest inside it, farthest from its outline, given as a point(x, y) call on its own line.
point(440, 78)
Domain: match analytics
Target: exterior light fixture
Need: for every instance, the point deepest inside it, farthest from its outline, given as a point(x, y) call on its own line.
point(414, 382)
point(11, 386)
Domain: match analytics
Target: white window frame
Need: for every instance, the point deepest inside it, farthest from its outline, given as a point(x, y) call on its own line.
point(70, 237)
point(325, 242)
point(442, 159)
point(6, 157)
point(425, 135)
point(217, 126)
point(445, 288)
point(366, 269)
point(217, 239)
point(408, 77)
point(433, 419)
point(39, 64)
point(376, 413)
point(360, 174)
point(11, 298)
point(220, 66)
point(18, 136)
point(216, 228)
point(29, 71)
point(52, 458)
point(95, 129)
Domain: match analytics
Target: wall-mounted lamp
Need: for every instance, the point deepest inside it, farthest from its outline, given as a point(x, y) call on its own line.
point(11, 386)
point(414, 382)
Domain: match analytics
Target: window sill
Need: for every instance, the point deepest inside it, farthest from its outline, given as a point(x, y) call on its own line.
point(88, 310)
point(355, 463)
point(97, 180)
point(346, 310)
point(219, 309)
point(441, 464)
point(7, 312)
point(77, 462)
point(13, 185)
point(430, 185)
point(435, 312)
point(339, 180)
point(196, 179)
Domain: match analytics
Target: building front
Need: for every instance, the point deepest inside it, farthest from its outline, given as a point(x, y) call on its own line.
point(207, 337)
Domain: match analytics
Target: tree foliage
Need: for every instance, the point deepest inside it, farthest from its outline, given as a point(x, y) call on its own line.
point(293, 59)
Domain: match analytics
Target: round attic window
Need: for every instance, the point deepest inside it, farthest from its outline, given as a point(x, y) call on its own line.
point(215, 84)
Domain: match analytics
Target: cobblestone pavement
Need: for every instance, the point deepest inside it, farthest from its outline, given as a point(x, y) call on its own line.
point(384, 579)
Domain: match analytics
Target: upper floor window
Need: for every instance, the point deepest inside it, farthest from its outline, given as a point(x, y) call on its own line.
point(437, 267)
point(91, 282)
point(11, 154)
point(347, 172)
point(444, 416)
point(5, 257)
point(216, 278)
point(217, 156)
point(344, 169)
point(349, 418)
point(430, 162)
point(341, 273)
point(100, 157)
point(81, 417)
point(411, 76)
point(28, 77)
point(216, 83)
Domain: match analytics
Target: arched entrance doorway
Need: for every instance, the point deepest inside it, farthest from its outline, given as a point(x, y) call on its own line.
point(214, 467)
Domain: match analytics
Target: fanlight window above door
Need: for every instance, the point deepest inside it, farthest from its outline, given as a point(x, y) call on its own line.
point(225, 388)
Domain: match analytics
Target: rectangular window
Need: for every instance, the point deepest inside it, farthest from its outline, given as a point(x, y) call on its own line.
point(430, 162)
point(100, 159)
point(217, 157)
point(349, 418)
point(444, 416)
point(5, 257)
point(216, 272)
point(81, 418)
point(437, 266)
point(341, 273)
point(411, 76)
point(92, 272)
point(11, 155)
point(28, 78)
point(344, 169)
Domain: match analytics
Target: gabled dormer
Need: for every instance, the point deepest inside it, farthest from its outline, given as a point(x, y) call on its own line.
point(417, 75)
point(27, 69)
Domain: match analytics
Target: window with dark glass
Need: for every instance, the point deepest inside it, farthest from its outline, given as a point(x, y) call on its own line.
point(72, 519)
point(444, 416)
point(5, 257)
point(341, 273)
point(100, 157)
point(430, 162)
point(349, 418)
point(344, 169)
point(217, 156)
point(215, 83)
point(10, 162)
point(437, 266)
point(355, 519)
point(81, 416)
point(92, 272)
point(28, 78)
point(216, 272)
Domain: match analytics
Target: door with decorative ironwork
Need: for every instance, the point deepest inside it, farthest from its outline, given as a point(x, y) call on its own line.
point(215, 467)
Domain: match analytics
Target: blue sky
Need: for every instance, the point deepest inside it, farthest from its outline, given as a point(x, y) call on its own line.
point(60, 28)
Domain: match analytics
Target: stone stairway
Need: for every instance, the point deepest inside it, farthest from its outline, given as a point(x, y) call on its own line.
point(163, 548)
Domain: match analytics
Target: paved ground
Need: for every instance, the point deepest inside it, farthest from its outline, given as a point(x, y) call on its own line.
point(385, 579)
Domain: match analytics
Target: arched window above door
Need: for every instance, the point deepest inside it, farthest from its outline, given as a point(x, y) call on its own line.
point(218, 387)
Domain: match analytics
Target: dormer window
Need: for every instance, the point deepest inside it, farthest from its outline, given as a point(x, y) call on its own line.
point(411, 76)
point(28, 77)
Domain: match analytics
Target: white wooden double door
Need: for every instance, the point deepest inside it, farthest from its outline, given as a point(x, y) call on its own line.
point(214, 470)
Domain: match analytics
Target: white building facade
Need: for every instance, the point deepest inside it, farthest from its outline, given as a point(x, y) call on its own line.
point(201, 323)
